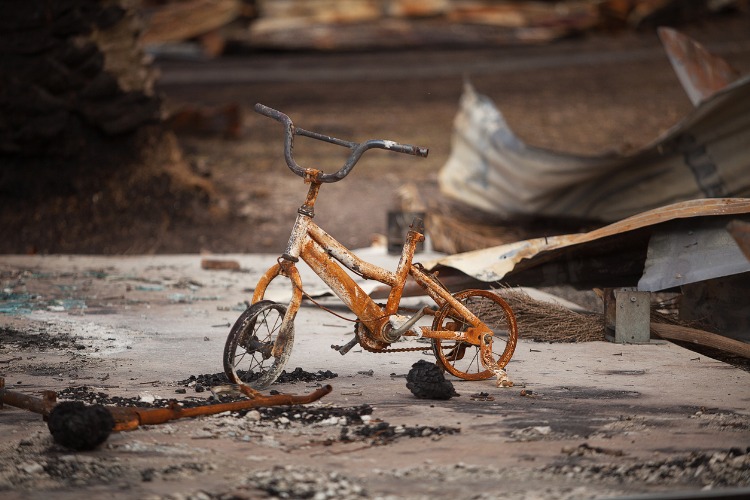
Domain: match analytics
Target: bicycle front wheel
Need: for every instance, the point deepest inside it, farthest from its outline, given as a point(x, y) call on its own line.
point(249, 352)
point(462, 359)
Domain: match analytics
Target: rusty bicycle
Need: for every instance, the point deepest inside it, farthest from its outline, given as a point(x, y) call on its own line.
point(473, 332)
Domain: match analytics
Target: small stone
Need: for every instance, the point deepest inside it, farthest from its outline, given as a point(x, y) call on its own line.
point(146, 397)
point(32, 467)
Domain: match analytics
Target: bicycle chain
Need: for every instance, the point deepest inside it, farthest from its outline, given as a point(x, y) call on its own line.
point(386, 350)
point(395, 349)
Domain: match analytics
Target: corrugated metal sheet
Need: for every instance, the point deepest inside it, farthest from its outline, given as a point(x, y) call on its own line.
point(704, 156)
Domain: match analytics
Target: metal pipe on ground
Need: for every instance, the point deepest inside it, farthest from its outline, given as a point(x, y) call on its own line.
point(81, 427)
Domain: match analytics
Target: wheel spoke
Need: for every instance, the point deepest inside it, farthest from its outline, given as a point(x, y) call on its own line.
point(253, 358)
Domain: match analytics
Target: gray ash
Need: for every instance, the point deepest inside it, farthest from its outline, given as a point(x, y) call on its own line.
point(37, 339)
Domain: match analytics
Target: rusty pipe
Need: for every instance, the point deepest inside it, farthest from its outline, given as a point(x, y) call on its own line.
point(42, 405)
point(129, 418)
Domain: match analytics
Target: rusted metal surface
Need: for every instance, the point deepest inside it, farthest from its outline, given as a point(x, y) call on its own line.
point(41, 405)
point(740, 231)
point(473, 335)
point(130, 418)
point(701, 73)
point(562, 259)
point(375, 333)
point(343, 286)
point(348, 259)
point(413, 237)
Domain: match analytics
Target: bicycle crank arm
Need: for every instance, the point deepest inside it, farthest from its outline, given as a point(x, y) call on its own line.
point(343, 349)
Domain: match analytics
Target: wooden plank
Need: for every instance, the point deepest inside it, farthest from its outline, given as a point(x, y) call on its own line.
point(700, 337)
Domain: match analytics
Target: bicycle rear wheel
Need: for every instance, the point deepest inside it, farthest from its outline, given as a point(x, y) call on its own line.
point(462, 359)
point(248, 353)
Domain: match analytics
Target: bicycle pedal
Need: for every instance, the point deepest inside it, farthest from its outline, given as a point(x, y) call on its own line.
point(343, 349)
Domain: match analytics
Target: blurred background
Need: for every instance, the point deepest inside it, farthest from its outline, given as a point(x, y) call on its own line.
point(127, 126)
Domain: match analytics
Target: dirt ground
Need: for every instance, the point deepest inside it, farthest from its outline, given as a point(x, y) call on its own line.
point(584, 420)
point(598, 419)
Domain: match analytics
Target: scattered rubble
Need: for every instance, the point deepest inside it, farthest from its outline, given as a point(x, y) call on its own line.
point(297, 375)
point(535, 433)
point(356, 423)
point(384, 433)
point(704, 469)
point(304, 482)
point(36, 338)
point(724, 421)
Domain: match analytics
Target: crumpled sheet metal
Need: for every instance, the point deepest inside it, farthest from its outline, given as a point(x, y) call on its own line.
point(703, 156)
point(496, 263)
point(701, 73)
point(690, 251)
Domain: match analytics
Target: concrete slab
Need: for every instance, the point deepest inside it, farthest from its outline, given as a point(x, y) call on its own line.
point(598, 419)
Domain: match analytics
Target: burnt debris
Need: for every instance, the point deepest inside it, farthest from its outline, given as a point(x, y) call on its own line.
point(426, 381)
point(296, 375)
point(79, 427)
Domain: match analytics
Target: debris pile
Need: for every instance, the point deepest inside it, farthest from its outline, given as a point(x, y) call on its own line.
point(384, 433)
point(90, 396)
point(203, 382)
point(347, 415)
point(495, 172)
point(366, 24)
point(34, 338)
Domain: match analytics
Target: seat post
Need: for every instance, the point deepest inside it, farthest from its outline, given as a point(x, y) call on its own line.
point(413, 237)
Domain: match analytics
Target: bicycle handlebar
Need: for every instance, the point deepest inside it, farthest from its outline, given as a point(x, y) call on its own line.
point(358, 149)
